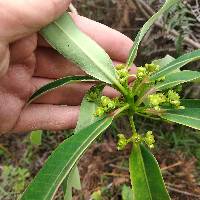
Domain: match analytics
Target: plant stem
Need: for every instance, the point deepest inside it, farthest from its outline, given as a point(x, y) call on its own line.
point(120, 110)
point(121, 88)
point(132, 125)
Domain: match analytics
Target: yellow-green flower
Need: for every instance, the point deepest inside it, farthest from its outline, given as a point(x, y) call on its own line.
point(99, 111)
point(149, 139)
point(122, 142)
point(174, 98)
point(156, 99)
point(141, 72)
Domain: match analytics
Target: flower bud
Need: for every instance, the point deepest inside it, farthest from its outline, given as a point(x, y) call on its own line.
point(99, 111)
point(174, 98)
point(156, 99)
point(92, 96)
point(122, 142)
point(137, 138)
point(120, 66)
point(162, 78)
point(141, 72)
point(111, 105)
point(149, 139)
point(151, 68)
point(123, 73)
point(105, 101)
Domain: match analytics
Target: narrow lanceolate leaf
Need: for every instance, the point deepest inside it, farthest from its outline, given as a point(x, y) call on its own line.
point(188, 117)
point(190, 103)
point(145, 174)
point(162, 62)
point(133, 53)
point(177, 78)
point(62, 160)
point(86, 118)
point(58, 83)
point(74, 45)
point(177, 64)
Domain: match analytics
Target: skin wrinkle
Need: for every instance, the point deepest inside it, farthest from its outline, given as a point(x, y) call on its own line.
point(4, 58)
point(26, 46)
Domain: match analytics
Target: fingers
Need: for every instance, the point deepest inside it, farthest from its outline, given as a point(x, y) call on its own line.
point(50, 64)
point(115, 43)
point(47, 117)
point(67, 95)
point(23, 48)
point(17, 22)
point(4, 59)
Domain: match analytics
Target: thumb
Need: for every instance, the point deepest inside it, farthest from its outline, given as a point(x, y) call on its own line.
point(21, 17)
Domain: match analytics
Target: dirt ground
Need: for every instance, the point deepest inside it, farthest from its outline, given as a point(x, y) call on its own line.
point(103, 167)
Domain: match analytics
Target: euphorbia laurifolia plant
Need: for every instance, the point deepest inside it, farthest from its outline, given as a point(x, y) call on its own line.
point(154, 93)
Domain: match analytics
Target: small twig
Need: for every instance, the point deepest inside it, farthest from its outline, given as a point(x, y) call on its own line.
point(172, 166)
point(73, 9)
point(160, 25)
point(182, 192)
point(118, 167)
point(116, 175)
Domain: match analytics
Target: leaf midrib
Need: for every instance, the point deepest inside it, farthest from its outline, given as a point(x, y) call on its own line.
point(145, 175)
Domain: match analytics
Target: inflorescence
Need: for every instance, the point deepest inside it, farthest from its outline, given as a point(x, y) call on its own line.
point(155, 100)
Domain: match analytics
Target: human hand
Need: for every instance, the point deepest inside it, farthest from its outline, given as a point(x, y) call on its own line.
point(27, 62)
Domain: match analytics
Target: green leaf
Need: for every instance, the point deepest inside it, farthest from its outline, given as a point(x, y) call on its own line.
point(86, 118)
point(162, 62)
point(177, 78)
point(72, 181)
point(177, 64)
point(127, 193)
point(62, 160)
point(190, 103)
point(97, 195)
point(58, 83)
point(36, 137)
point(188, 117)
point(87, 110)
point(74, 45)
point(145, 174)
point(133, 53)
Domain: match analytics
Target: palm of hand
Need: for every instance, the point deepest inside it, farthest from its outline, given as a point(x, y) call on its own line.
point(16, 85)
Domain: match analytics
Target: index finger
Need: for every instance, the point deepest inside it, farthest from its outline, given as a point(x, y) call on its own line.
point(116, 44)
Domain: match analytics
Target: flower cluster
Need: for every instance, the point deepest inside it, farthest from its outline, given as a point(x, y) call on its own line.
point(147, 70)
point(148, 139)
point(122, 142)
point(155, 100)
point(122, 72)
point(106, 105)
point(170, 97)
point(94, 94)
point(174, 98)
